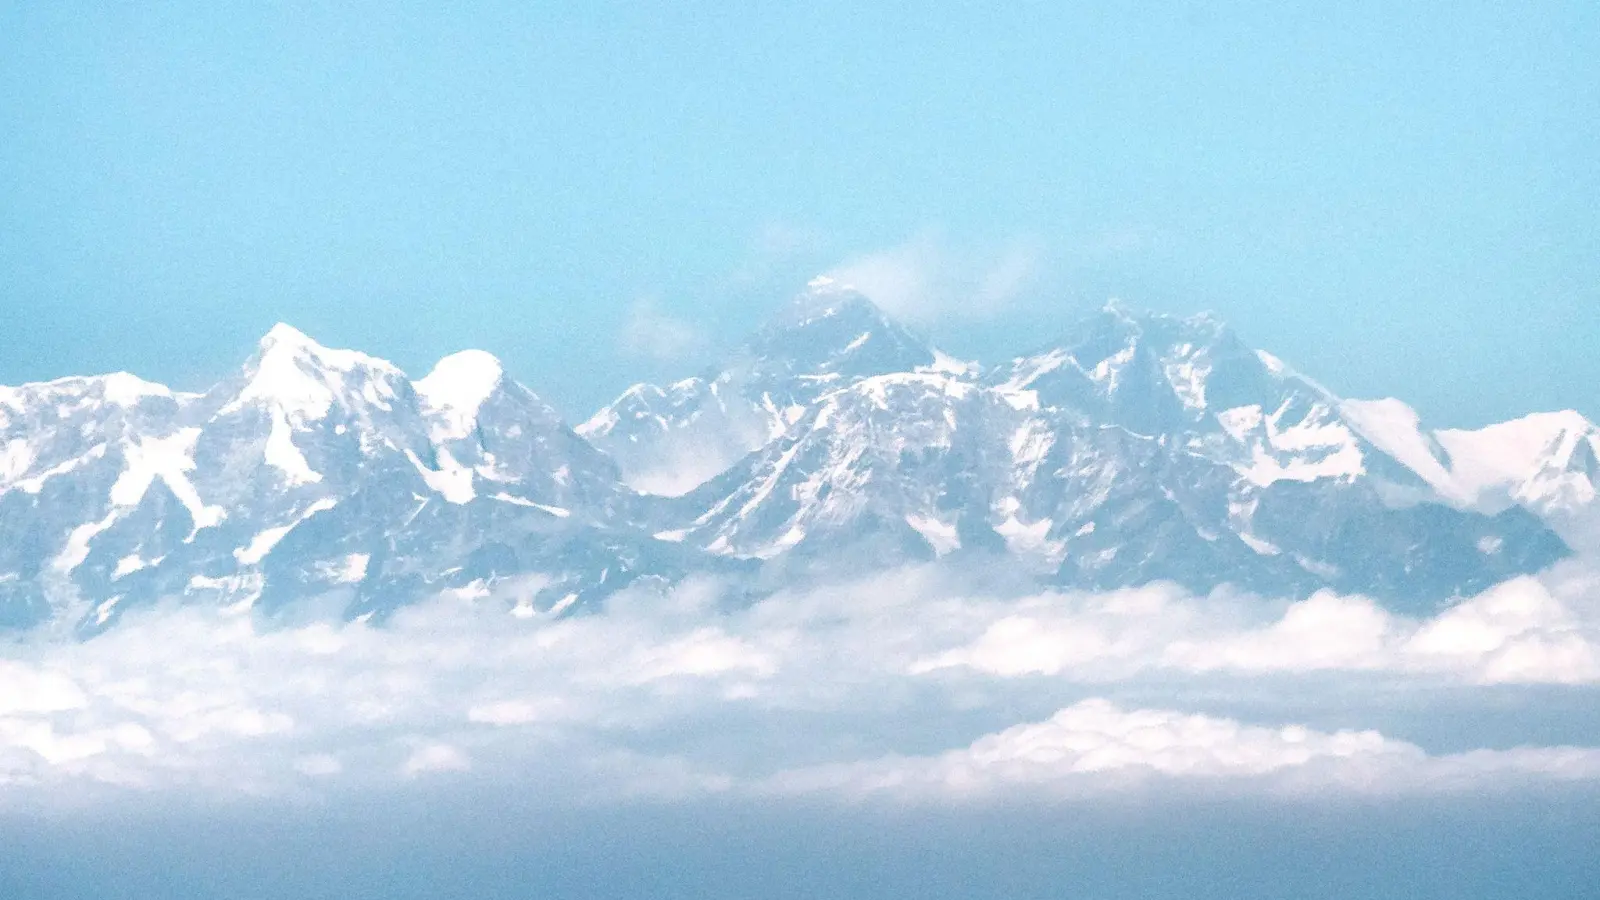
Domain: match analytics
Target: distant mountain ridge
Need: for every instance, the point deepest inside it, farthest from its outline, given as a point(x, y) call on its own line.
point(1135, 447)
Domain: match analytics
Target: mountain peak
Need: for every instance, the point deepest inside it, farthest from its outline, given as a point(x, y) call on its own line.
point(825, 298)
point(465, 372)
point(1119, 310)
point(832, 327)
point(299, 375)
point(285, 335)
point(119, 388)
point(458, 386)
point(1120, 330)
point(285, 340)
point(127, 389)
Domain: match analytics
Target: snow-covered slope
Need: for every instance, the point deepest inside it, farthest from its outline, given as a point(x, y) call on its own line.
point(1548, 463)
point(902, 458)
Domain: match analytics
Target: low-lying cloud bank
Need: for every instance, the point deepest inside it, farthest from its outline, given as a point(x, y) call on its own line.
point(1094, 746)
point(899, 685)
point(1518, 632)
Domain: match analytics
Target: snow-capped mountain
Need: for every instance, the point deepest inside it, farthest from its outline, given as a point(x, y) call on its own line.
point(1548, 463)
point(1134, 447)
point(311, 475)
point(670, 439)
point(1138, 448)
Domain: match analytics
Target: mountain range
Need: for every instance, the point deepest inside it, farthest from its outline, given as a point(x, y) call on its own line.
point(1132, 448)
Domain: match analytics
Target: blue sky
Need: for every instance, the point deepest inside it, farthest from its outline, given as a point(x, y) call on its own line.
point(1399, 201)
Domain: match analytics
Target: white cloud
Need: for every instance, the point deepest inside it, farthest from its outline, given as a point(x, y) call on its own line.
point(435, 758)
point(704, 651)
point(1095, 745)
point(1023, 645)
point(712, 695)
point(27, 690)
point(683, 464)
point(1325, 631)
point(1096, 737)
point(1517, 632)
point(900, 279)
point(924, 281)
point(1007, 275)
point(651, 333)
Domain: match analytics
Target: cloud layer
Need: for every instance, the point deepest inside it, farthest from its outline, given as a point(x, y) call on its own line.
point(1517, 632)
point(911, 683)
point(1095, 747)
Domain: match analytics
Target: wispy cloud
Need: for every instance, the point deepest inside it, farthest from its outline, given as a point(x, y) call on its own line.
point(925, 280)
point(774, 248)
point(649, 332)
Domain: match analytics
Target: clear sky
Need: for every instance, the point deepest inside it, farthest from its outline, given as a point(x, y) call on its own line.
point(1398, 198)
